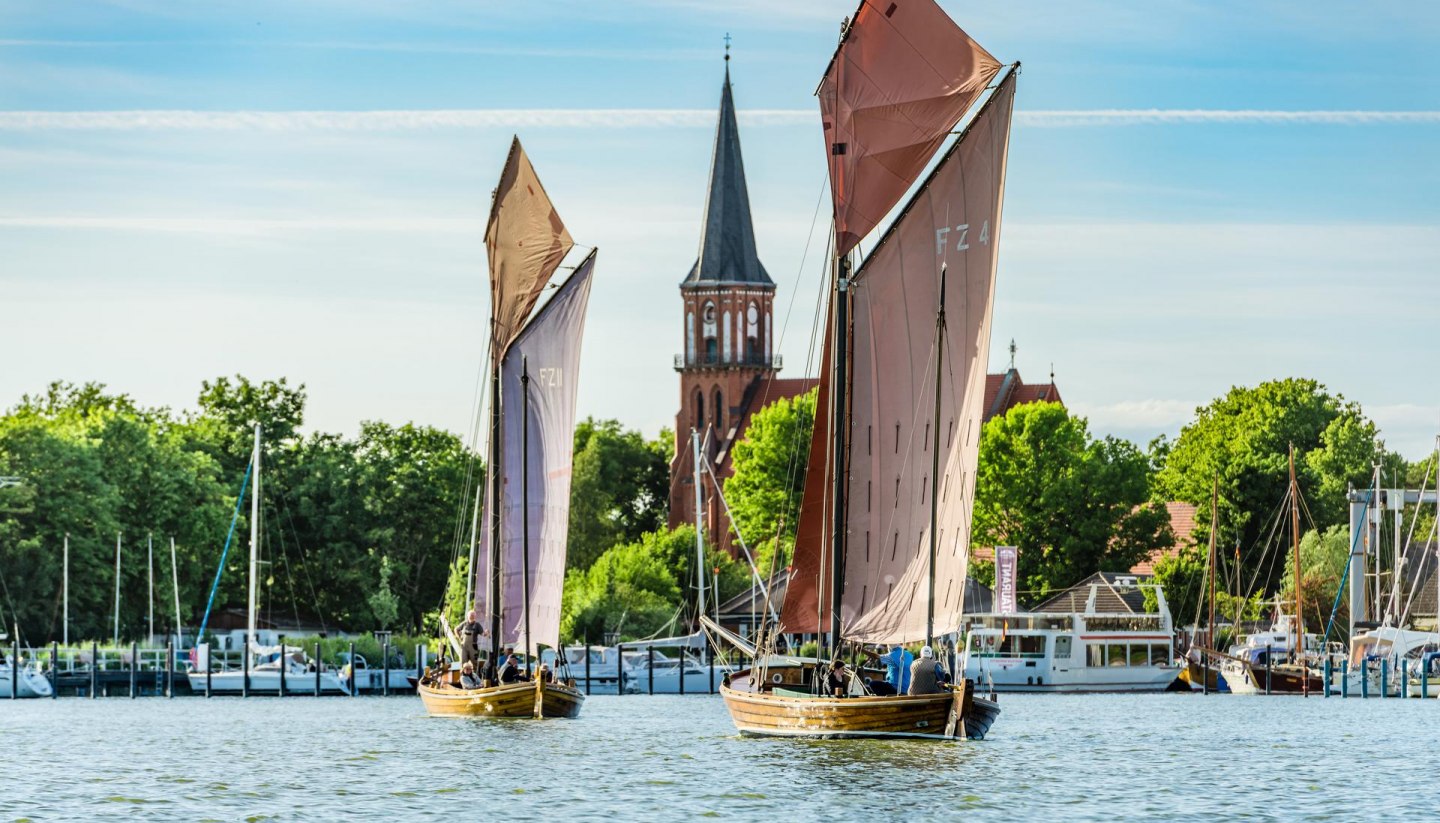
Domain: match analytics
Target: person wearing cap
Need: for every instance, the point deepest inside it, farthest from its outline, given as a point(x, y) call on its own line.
point(897, 667)
point(468, 678)
point(510, 672)
point(926, 675)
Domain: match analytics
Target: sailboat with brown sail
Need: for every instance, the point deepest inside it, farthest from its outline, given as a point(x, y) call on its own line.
point(534, 368)
point(885, 517)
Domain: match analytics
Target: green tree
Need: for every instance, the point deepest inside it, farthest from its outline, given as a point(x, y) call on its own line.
point(1323, 558)
point(1072, 504)
point(1243, 440)
point(628, 591)
point(619, 488)
point(769, 476)
point(384, 605)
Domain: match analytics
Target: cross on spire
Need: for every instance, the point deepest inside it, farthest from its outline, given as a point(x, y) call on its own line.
point(1012, 354)
point(727, 47)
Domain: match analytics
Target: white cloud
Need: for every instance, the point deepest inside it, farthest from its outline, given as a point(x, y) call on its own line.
point(423, 119)
point(1153, 413)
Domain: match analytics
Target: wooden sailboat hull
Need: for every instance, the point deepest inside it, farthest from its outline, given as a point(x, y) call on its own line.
point(950, 715)
point(515, 700)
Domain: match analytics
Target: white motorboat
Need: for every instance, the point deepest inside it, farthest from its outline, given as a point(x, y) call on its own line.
point(264, 675)
point(668, 672)
point(1086, 651)
point(31, 683)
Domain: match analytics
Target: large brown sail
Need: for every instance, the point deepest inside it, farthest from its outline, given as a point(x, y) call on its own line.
point(950, 229)
point(904, 74)
point(806, 595)
point(526, 241)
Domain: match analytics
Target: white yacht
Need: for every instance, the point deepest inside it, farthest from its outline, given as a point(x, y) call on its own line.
point(1096, 645)
point(32, 681)
point(604, 670)
point(264, 674)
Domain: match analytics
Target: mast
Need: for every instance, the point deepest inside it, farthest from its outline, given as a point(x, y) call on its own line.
point(494, 479)
point(699, 534)
point(175, 587)
point(254, 544)
point(935, 464)
point(839, 425)
point(1214, 527)
point(115, 638)
point(65, 587)
point(150, 565)
point(525, 505)
point(474, 546)
point(1295, 542)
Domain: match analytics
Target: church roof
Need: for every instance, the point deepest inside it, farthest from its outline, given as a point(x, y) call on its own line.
point(727, 238)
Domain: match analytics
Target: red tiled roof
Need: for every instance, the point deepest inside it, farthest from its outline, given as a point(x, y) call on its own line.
point(761, 393)
point(1016, 393)
point(1182, 523)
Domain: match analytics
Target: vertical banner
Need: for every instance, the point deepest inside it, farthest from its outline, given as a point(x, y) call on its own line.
point(1005, 561)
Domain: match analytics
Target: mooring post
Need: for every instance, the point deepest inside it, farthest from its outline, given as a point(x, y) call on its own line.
point(134, 662)
point(1425, 677)
point(682, 669)
point(354, 672)
point(619, 669)
point(284, 664)
point(650, 666)
point(15, 670)
point(1364, 677)
point(1384, 677)
point(94, 666)
point(1404, 678)
point(54, 670)
point(245, 667)
point(710, 653)
point(169, 670)
point(1204, 673)
point(385, 668)
point(1329, 667)
point(419, 662)
point(1344, 679)
point(1267, 671)
point(207, 670)
point(318, 666)
point(587, 669)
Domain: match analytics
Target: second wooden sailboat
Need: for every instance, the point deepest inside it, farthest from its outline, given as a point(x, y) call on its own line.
point(885, 517)
point(533, 378)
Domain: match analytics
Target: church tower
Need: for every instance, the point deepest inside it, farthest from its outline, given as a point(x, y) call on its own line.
point(727, 327)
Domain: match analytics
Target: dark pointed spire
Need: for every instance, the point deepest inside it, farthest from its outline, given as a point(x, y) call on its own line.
point(727, 239)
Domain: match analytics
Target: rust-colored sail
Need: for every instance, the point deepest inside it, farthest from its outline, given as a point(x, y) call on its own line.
point(951, 228)
point(903, 76)
point(526, 242)
point(802, 606)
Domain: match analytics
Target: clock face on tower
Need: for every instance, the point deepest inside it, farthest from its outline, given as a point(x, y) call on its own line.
point(709, 312)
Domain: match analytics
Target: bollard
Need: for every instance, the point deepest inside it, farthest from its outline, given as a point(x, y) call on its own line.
point(1384, 677)
point(169, 670)
point(650, 666)
point(54, 670)
point(1364, 677)
point(354, 673)
point(284, 664)
point(245, 668)
point(134, 662)
point(1329, 668)
point(1404, 678)
point(385, 669)
point(318, 667)
point(587, 669)
point(94, 665)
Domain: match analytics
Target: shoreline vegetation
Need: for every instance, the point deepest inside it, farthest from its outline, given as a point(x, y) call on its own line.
point(369, 531)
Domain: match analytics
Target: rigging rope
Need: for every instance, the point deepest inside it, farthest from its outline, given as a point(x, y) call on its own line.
point(235, 518)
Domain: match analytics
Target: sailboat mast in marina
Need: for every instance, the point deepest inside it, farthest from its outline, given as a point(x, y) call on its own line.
point(535, 355)
point(884, 525)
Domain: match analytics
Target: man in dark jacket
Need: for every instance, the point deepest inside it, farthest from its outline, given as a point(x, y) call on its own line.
point(511, 672)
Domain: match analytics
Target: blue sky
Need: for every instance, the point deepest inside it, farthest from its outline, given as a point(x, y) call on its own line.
point(1202, 194)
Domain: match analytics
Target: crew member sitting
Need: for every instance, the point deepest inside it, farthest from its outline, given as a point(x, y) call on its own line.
point(837, 681)
point(926, 674)
point(511, 672)
point(468, 678)
point(897, 670)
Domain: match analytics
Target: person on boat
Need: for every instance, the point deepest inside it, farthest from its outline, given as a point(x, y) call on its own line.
point(470, 633)
point(927, 676)
point(468, 678)
point(897, 668)
point(511, 672)
point(837, 680)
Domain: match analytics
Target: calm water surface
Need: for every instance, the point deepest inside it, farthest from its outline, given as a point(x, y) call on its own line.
point(1094, 757)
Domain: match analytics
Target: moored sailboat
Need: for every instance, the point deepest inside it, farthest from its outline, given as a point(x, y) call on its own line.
point(885, 516)
point(533, 377)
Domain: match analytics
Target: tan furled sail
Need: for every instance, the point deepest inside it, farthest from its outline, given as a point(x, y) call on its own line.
point(950, 227)
point(903, 76)
point(526, 242)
